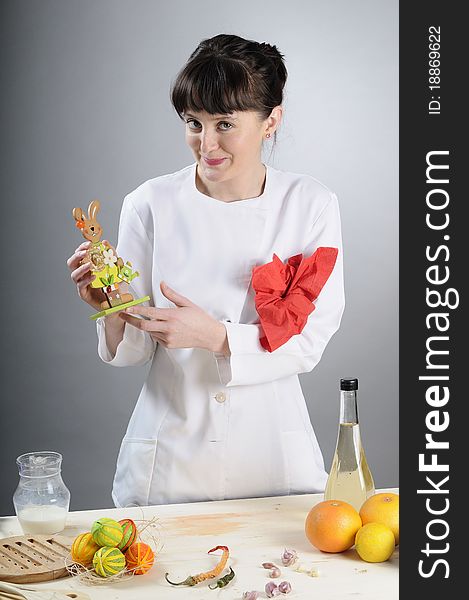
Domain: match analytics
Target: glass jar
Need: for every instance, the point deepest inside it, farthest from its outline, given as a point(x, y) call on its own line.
point(41, 499)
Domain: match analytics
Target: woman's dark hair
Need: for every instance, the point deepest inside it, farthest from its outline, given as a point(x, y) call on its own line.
point(227, 73)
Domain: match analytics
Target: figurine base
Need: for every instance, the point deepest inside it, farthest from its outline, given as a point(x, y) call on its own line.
point(109, 311)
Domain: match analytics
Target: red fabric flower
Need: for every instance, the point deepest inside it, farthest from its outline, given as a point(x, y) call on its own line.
point(285, 293)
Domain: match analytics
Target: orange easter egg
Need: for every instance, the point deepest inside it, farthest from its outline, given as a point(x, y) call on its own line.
point(140, 558)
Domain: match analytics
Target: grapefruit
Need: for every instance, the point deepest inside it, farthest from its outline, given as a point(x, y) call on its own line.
point(331, 525)
point(382, 508)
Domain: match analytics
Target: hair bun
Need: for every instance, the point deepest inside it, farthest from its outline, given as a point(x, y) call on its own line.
point(276, 57)
point(270, 51)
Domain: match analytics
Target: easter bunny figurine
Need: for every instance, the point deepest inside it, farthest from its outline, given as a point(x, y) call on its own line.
point(110, 270)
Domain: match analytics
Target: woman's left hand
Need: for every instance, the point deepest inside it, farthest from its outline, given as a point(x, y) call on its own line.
point(185, 326)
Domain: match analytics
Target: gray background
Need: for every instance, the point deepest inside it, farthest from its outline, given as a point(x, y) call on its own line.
point(86, 114)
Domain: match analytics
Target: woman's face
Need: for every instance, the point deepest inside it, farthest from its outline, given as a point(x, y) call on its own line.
point(234, 139)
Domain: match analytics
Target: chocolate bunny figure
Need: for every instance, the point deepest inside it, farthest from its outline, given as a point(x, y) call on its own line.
point(109, 269)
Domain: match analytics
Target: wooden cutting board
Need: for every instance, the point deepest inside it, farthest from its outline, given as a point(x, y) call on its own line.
point(31, 558)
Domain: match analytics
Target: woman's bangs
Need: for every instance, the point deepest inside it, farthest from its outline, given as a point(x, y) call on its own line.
point(213, 87)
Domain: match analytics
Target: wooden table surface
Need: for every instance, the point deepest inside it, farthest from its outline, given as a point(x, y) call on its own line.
point(255, 530)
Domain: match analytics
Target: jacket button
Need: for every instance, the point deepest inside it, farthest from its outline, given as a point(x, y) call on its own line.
point(220, 397)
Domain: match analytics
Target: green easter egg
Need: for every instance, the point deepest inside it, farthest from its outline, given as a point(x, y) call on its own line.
point(107, 532)
point(108, 561)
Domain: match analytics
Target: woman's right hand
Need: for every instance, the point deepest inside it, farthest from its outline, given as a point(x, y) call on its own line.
point(82, 277)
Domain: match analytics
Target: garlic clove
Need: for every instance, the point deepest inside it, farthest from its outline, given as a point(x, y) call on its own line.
point(284, 587)
point(289, 556)
point(271, 589)
point(251, 595)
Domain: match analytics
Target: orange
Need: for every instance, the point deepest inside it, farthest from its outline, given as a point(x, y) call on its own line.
point(382, 508)
point(331, 525)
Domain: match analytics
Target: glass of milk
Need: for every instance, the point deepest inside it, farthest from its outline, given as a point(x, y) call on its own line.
point(41, 499)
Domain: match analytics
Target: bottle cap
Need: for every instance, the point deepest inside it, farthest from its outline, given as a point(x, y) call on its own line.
point(349, 384)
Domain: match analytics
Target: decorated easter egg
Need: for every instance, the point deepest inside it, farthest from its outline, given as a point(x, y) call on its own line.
point(129, 530)
point(107, 532)
point(108, 561)
point(139, 558)
point(83, 549)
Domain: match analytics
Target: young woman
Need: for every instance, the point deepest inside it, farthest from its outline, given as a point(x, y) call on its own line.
point(222, 414)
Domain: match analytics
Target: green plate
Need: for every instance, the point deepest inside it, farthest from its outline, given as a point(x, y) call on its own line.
point(108, 311)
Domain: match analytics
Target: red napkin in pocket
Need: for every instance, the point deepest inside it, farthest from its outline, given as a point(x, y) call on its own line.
point(285, 293)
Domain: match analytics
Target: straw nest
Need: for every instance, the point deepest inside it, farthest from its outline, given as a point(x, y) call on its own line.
point(149, 531)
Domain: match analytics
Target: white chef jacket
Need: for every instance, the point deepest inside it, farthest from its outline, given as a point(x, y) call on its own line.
point(207, 426)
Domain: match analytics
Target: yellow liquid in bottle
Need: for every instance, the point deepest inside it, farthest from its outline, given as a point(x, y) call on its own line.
point(350, 478)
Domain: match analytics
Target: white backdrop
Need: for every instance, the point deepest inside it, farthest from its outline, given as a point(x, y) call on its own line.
point(88, 116)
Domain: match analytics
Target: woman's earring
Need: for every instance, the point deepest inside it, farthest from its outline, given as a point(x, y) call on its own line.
point(267, 135)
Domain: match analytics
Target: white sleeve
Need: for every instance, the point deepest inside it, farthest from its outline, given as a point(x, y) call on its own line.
point(249, 363)
point(137, 347)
